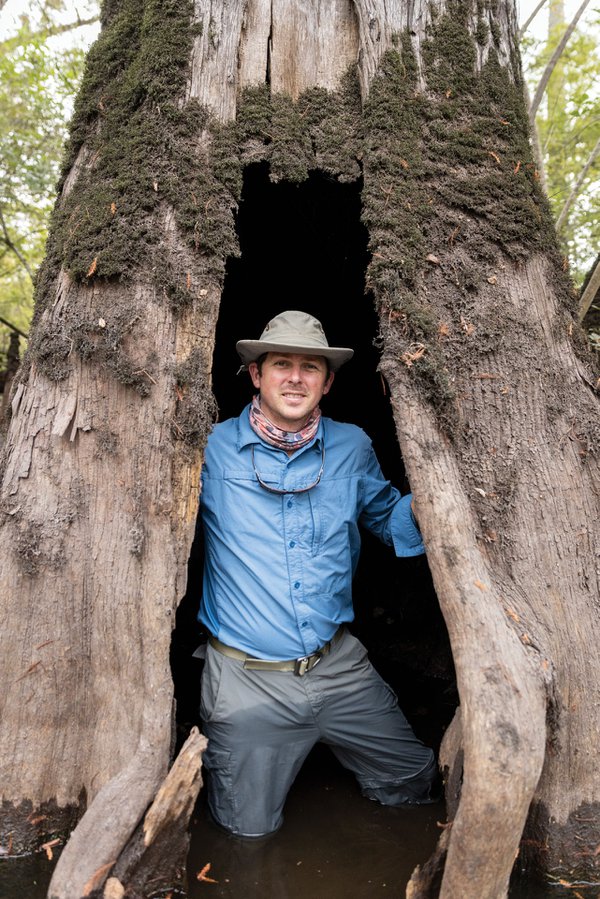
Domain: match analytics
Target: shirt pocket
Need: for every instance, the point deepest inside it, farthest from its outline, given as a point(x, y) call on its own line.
point(249, 480)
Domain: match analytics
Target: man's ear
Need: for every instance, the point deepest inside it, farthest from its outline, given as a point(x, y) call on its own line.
point(254, 373)
point(328, 383)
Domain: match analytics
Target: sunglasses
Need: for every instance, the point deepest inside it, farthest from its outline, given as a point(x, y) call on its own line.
point(283, 492)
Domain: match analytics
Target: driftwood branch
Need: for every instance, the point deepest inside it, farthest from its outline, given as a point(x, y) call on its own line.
point(156, 856)
point(110, 840)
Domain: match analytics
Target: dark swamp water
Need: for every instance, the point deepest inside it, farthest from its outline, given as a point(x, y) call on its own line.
point(333, 844)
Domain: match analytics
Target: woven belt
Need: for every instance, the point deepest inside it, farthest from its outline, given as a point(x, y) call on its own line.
point(298, 666)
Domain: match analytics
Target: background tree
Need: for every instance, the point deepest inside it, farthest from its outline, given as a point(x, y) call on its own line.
point(38, 80)
point(568, 126)
point(494, 401)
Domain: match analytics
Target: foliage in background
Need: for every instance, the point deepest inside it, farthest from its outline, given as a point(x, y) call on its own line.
point(568, 123)
point(39, 76)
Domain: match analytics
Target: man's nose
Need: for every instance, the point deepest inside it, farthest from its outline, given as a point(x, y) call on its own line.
point(295, 374)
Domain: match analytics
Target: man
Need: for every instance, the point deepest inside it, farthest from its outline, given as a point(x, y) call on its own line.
point(283, 492)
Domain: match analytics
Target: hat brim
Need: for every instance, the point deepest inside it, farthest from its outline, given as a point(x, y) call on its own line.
point(250, 350)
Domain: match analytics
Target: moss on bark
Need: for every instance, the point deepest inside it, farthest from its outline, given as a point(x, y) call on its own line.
point(450, 189)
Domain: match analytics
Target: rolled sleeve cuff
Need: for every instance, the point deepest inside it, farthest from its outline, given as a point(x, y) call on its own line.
point(406, 536)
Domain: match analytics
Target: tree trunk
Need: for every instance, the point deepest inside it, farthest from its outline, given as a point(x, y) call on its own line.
point(495, 410)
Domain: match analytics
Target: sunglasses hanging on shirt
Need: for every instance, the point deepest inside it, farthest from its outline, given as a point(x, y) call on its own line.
point(283, 492)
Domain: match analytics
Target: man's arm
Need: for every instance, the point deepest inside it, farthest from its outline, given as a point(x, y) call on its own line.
point(387, 514)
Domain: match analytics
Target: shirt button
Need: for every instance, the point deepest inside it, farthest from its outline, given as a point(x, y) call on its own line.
point(296, 585)
point(304, 624)
point(289, 504)
point(292, 544)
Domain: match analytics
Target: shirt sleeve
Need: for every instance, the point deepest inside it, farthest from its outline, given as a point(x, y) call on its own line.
point(387, 514)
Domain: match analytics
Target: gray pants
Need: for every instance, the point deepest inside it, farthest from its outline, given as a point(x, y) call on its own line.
point(261, 725)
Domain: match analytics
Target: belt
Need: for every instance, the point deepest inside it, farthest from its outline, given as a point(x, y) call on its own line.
point(298, 666)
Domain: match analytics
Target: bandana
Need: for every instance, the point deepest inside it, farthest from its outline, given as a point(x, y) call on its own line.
point(285, 440)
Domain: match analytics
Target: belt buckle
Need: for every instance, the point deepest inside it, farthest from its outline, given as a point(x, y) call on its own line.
point(304, 664)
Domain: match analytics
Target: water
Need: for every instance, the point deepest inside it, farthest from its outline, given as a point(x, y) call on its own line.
point(333, 844)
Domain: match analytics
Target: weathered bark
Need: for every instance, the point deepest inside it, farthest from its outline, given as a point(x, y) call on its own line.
point(527, 701)
point(495, 413)
point(12, 365)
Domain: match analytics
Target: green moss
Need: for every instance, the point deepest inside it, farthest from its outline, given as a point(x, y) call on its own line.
point(254, 116)
point(138, 138)
point(450, 192)
point(142, 150)
point(395, 207)
point(449, 186)
point(496, 34)
point(482, 31)
point(333, 122)
point(450, 54)
point(141, 156)
point(478, 149)
point(108, 9)
point(320, 131)
point(397, 212)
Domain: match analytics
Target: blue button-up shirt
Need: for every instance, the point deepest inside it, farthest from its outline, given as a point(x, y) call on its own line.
point(278, 568)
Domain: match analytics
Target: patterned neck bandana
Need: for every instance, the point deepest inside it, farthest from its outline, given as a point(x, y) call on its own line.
point(285, 440)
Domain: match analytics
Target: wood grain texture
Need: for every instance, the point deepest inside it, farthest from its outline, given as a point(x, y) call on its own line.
point(255, 44)
point(314, 43)
point(214, 78)
point(509, 601)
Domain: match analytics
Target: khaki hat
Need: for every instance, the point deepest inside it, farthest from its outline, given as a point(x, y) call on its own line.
point(293, 332)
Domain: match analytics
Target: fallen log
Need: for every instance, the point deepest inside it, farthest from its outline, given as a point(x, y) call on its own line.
point(154, 856)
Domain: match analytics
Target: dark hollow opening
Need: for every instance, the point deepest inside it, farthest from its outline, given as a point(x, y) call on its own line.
point(304, 247)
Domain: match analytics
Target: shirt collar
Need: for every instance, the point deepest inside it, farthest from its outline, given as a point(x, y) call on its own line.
point(247, 435)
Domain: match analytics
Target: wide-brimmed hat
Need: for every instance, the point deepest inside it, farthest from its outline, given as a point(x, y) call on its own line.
point(293, 332)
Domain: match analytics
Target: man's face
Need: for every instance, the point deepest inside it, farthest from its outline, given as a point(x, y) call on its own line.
point(290, 385)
